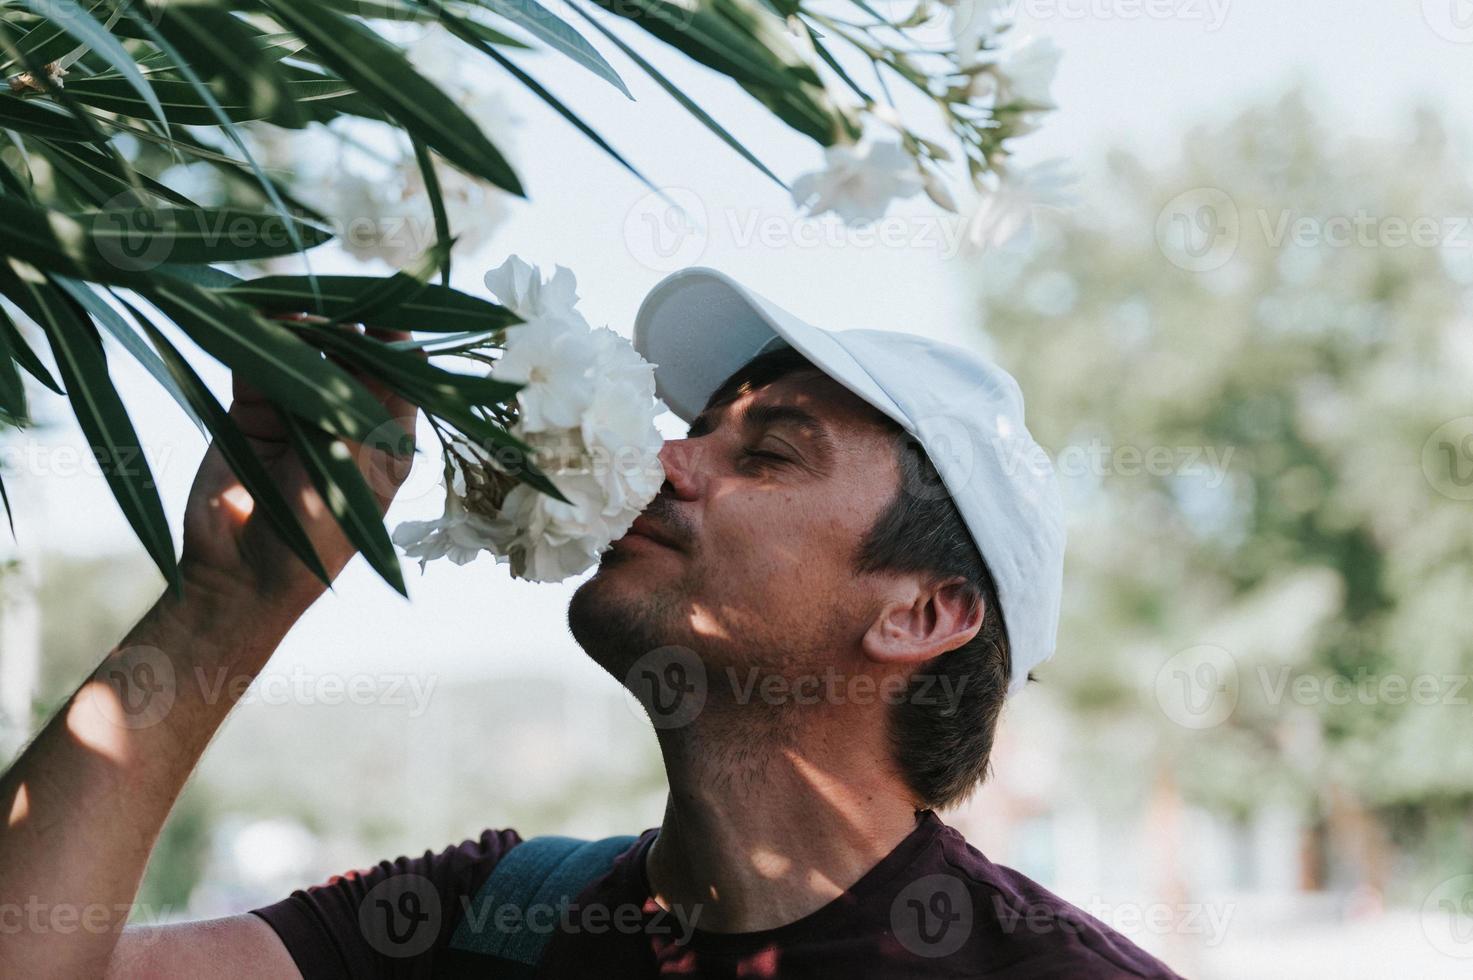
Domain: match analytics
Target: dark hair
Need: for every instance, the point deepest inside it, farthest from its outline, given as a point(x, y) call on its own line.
point(942, 732)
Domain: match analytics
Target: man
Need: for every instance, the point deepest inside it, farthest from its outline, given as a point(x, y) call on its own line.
point(856, 555)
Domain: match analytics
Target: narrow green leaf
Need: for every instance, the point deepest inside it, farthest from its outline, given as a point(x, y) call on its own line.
point(19, 349)
point(219, 46)
point(426, 165)
point(452, 24)
point(9, 514)
point(273, 359)
point(380, 71)
point(80, 24)
point(226, 126)
point(113, 323)
point(149, 237)
point(47, 41)
point(445, 342)
point(237, 451)
point(37, 119)
point(103, 419)
point(122, 245)
point(685, 101)
point(556, 33)
point(748, 43)
point(12, 388)
point(410, 374)
point(87, 163)
point(350, 500)
point(200, 275)
point(184, 104)
point(451, 397)
point(399, 288)
point(435, 309)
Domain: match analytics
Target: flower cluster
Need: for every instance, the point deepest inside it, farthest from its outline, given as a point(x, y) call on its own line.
point(990, 87)
point(586, 409)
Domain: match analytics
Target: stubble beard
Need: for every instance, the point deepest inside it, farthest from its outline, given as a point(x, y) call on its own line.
point(616, 629)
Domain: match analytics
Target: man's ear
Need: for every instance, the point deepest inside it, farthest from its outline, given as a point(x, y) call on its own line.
point(923, 622)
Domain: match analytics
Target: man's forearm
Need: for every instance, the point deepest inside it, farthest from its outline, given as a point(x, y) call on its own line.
point(84, 803)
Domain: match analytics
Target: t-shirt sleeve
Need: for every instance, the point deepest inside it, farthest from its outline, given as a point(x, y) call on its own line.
point(390, 920)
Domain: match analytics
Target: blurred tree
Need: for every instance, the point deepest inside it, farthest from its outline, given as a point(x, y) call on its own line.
point(1252, 367)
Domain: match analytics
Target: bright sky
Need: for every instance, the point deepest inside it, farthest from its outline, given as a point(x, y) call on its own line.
point(1130, 76)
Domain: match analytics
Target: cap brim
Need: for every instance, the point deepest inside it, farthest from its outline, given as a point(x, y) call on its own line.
point(698, 325)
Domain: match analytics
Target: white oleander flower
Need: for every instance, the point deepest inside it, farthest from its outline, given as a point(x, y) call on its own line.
point(858, 182)
point(519, 287)
point(555, 360)
point(586, 410)
point(1005, 213)
point(976, 21)
point(457, 534)
point(1022, 75)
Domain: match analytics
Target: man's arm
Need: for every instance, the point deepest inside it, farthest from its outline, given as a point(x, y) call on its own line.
point(84, 803)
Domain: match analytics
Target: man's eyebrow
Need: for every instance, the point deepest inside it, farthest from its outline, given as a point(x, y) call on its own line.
point(760, 417)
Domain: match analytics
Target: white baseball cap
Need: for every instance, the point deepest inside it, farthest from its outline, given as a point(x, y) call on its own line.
point(698, 326)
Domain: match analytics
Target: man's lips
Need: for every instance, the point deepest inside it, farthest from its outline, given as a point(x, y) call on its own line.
point(643, 527)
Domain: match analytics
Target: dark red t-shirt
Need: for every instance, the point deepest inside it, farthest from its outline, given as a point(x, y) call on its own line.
point(934, 907)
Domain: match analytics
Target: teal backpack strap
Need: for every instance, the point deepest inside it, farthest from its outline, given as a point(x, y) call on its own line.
point(538, 877)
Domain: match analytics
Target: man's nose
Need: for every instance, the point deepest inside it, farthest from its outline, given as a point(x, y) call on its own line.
point(681, 459)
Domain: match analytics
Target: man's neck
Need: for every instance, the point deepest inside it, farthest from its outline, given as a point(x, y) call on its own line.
point(766, 826)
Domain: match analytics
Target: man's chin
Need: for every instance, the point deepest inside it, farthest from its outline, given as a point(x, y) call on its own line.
point(616, 616)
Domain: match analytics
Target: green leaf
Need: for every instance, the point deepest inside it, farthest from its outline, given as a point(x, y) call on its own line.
point(237, 451)
point(82, 163)
point(37, 119)
point(333, 471)
point(220, 47)
point(274, 360)
point(18, 347)
point(184, 104)
point(556, 33)
point(410, 374)
point(226, 125)
point(399, 288)
point(149, 237)
point(380, 71)
point(451, 397)
point(444, 342)
point(122, 245)
point(113, 323)
point(201, 275)
point(242, 175)
point(12, 389)
point(747, 43)
point(47, 41)
point(80, 24)
point(426, 164)
point(684, 100)
point(103, 418)
point(452, 24)
point(9, 514)
point(433, 309)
